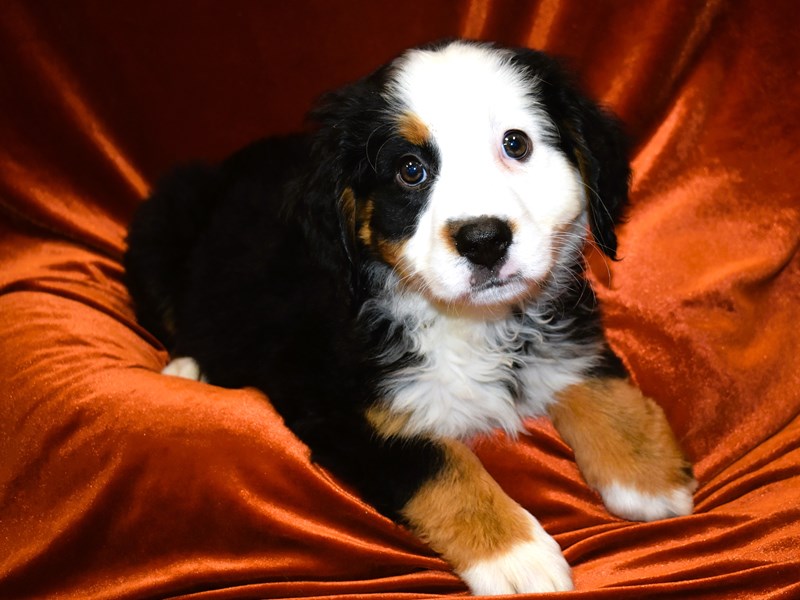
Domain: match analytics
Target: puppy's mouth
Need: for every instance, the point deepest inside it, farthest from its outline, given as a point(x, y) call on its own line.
point(489, 287)
point(484, 279)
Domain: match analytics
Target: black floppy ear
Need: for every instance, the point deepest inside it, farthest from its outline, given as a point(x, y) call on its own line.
point(591, 137)
point(344, 122)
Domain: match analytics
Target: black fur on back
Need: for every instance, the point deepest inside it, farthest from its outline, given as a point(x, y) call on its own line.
point(161, 240)
point(254, 271)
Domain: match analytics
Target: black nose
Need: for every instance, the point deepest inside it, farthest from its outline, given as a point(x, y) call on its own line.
point(483, 241)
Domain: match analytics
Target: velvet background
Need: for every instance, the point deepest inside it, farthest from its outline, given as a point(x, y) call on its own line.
point(116, 482)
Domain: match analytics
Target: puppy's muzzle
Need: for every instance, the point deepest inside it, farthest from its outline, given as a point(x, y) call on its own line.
point(483, 241)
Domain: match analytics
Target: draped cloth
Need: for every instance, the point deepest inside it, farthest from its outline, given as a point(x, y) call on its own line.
point(117, 482)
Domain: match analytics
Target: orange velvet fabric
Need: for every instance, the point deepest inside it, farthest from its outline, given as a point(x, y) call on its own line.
point(116, 482)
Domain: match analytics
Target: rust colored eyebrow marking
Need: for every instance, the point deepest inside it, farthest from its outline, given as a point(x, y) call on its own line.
point(412, 129)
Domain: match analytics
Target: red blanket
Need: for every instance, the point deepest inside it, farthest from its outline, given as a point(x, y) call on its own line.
point(116, 482)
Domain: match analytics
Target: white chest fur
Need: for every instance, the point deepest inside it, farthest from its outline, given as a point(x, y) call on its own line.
point(472, 375)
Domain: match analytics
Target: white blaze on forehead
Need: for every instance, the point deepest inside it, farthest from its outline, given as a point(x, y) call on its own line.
point(467, 91)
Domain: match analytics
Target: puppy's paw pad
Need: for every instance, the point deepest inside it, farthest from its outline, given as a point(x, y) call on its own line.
point(533, 566)
point(185, 367)
point(634, 505)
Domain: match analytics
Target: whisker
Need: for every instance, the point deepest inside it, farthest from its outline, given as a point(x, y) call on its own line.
point(366, 146)
point(599, 198)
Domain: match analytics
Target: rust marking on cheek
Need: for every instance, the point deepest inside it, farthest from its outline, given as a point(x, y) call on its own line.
point(390, 251)
point(393, 254)
point(363, 218)
point(347, 206)
point(463, 514)
point(620, 435)
point(447, 234)
point(412, 129)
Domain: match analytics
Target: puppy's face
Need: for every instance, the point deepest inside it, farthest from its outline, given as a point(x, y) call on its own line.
point(467, 191)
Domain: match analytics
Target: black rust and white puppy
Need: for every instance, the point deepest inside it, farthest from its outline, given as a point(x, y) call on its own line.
point(410, 275)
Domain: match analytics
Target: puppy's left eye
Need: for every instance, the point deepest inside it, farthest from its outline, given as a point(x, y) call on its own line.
point(411, 171)
point(516, 144)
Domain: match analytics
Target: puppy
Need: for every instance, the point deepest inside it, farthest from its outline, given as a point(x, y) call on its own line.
point(409, 275)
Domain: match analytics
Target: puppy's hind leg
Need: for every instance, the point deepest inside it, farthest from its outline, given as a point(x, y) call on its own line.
point(185, 367)
point(625, 449)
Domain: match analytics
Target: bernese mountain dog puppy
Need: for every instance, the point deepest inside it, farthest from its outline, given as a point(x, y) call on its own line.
point(410, 275)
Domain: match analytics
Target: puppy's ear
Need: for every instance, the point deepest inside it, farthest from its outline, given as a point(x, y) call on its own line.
point(591, 137)
point(346, 121)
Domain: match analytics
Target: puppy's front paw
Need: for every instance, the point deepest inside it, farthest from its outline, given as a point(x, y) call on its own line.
point(493, 543)
point(629, 503)
point(625, 449)
point(532, 566)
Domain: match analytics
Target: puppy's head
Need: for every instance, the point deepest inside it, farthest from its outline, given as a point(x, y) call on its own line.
point(473, 171)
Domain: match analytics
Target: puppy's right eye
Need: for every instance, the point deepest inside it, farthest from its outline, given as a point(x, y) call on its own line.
point(411, 171)
point(516, 144)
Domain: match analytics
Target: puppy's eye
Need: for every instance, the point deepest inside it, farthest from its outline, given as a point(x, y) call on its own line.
point(411, 171)
point(516, 144)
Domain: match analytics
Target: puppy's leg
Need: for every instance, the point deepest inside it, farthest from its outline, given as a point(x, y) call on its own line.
point(495, 545)
point(440, 490)
point(625, 449)
point(185, 367)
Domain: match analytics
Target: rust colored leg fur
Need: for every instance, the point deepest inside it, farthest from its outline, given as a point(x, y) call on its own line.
point(625, 449)
point(493, 543)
